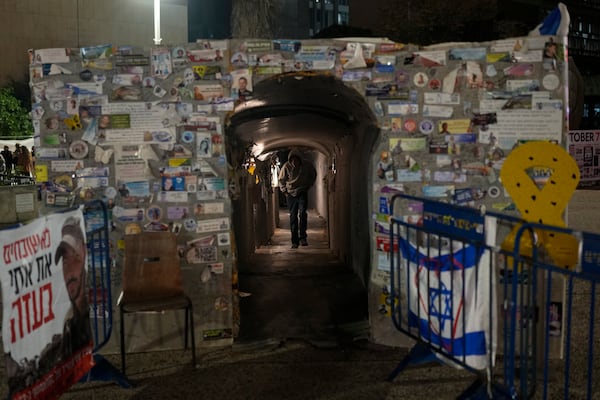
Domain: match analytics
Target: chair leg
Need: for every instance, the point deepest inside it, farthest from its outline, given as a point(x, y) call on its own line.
point(122, 332)
point(187, 316)
point(193, 336)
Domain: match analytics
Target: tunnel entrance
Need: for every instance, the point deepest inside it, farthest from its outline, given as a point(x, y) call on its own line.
point(319, 290)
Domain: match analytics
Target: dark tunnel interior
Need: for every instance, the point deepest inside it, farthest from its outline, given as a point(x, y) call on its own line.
point(318, 289)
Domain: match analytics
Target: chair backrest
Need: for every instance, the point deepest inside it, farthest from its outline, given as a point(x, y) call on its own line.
point(151, 267)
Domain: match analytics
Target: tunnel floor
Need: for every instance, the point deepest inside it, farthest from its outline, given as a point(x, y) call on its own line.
point(305, 293)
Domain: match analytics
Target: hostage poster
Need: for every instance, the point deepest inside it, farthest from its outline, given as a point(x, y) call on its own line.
point(584, 147)
point(46, 331)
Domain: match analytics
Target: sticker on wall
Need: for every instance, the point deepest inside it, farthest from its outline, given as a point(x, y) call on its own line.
point(223, 239)
point(132, 229)
point(410, 125)
point(426, 126)
point(188, 76)
point(73, 123)
point(159, 91)
point(378, 109)
point(494, 192)
point(420, 79)
point(64, 180)
point(190, 225)
point(187, 137)
point(78, 149)
point(178, 55)
point(205, 275)
point(435, 84)
point(110, 192)
point(149, 82)
point(550, 82)
point(154, 213)
point(56, 105)
point(221, 304)
point(86, 75)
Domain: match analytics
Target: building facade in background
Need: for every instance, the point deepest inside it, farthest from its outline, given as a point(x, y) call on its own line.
point(326, 13)
point(29, 24)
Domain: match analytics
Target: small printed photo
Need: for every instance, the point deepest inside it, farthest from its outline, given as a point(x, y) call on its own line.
point(129, 92)
point(203, 148)
point(175, 227)
point(149, 82)
point(72, 106)
point(52, 123)
point(127, 79)
point(239, 60)
point(178, 54)
point(104, 122)
point(241, 84)
point(56, 105)
point(154, 213)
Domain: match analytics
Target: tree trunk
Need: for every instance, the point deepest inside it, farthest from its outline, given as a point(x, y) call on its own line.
point(253, 18)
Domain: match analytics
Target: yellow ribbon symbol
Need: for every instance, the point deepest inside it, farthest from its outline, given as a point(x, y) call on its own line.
point(545, 205)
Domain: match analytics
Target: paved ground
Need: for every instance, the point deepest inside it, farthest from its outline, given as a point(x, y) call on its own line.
point(294, 370)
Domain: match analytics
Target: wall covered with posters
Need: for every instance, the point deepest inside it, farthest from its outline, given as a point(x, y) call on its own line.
point(449, 120)
point(142, 128)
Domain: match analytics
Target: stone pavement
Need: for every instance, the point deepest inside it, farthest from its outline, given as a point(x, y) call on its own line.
point(294, 370)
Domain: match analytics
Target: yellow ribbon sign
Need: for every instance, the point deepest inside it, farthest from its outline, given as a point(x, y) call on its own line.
point(543, 205)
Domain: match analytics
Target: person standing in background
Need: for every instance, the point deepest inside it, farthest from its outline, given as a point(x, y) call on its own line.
point(295, 178)
point(23, 163)
point(8, 159)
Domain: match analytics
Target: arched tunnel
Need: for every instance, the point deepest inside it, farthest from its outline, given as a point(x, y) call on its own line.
point(312, 291)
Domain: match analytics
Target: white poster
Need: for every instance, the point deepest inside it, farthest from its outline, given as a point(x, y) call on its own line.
point(46, 321)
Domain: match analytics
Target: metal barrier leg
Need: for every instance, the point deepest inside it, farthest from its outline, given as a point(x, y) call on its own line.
point(419, 354)
point(479, 391)
point(104, 371)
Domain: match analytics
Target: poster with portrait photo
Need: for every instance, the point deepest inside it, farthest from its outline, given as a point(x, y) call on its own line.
point(239, 60)
point(216, 144)
point(241, 84)
point(203, 144)
point(161, 64)
point(179, 54)
point(44, 360)
point(208, 92)
point(72, 106)
point(173, 183)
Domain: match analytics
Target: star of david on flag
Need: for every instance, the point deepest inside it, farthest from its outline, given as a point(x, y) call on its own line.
point(450, 301)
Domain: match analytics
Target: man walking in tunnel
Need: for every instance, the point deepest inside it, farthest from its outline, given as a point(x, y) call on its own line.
point(295, 178)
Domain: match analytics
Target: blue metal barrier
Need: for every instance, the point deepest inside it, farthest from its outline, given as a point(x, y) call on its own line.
point(442, 278)
point(565, 324)
point(547, 345)
point(101, 309)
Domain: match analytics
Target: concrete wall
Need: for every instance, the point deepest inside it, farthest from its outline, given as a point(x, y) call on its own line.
point(26, 24)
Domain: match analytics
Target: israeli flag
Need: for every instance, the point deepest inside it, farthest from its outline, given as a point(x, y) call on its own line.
point(555, 24)
point(451, 306)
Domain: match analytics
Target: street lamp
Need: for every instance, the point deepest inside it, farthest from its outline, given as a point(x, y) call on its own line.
point(157, 38)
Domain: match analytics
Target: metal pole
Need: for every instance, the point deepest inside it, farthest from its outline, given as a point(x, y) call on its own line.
point(157, 38)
